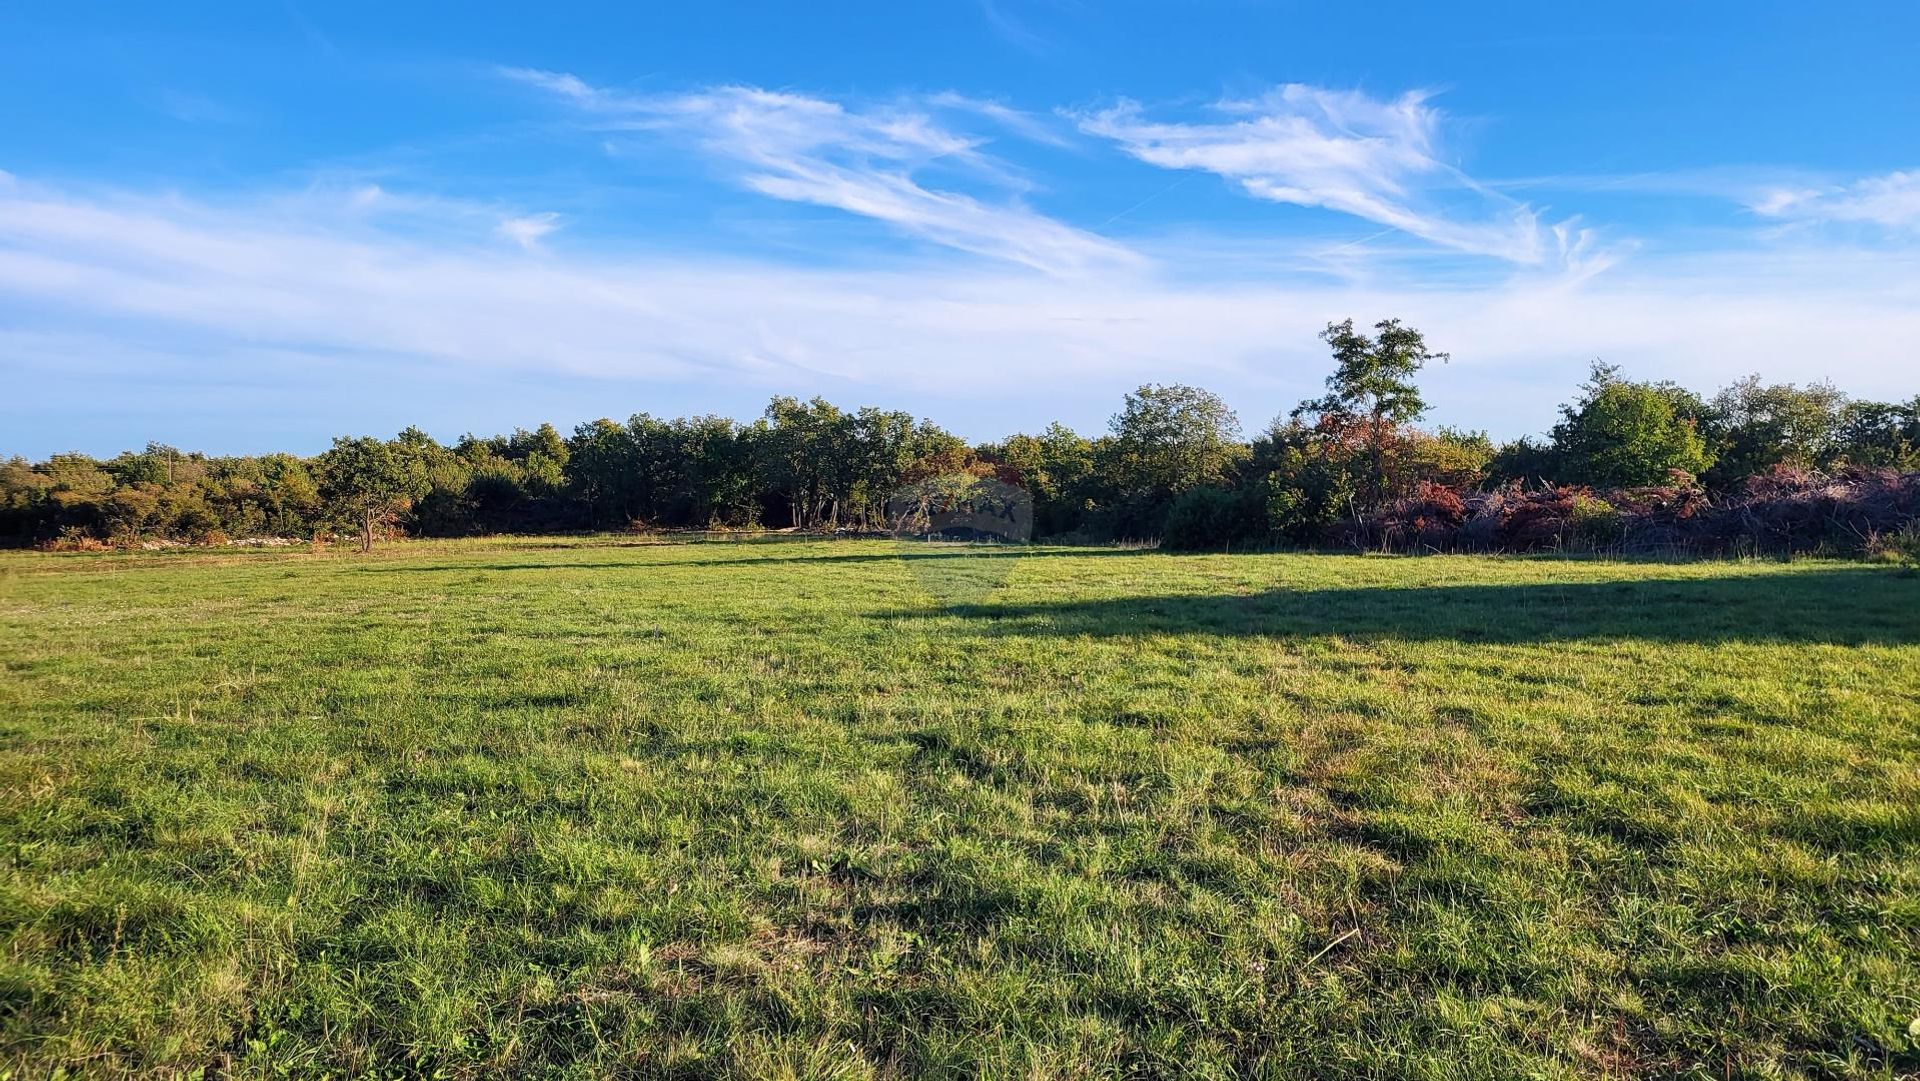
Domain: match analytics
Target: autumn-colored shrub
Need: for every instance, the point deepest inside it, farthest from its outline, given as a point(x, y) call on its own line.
point(1665, 504)
point(1789, 509)
point(1554, 517)
point(75, 539)
point(1429, 519)
point(1785, 511)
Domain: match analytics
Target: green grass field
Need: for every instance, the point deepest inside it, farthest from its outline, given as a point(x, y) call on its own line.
point(591, 807)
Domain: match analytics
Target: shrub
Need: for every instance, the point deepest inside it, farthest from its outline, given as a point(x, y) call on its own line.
point(1661, 518)
point(1679, 500)
point(1448, 458)
point(1305, 497)
point(1904, 544)
point(1594, 523)
point(1525, 460)
point(1427, 520)
point(1789, 509)
point(1203, 519)
point(1536, 519)
point(75, 538)
point(1786, 510)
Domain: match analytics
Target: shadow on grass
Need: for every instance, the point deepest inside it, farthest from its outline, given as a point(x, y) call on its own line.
point(1848, 606)
point(934, 552)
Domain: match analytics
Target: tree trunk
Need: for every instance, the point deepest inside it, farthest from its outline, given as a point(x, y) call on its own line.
point(366, 530)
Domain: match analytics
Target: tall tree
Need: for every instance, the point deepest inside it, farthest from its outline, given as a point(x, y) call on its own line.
point(1372, 388)
point(719, 472)
point(804, 458)
point(882, 446)
point(600, 467)
point(368, 481)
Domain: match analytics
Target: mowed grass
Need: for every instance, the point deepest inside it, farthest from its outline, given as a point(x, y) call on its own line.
point(593, 808)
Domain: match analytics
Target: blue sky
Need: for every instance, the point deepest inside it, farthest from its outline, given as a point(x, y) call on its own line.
point(243, 227)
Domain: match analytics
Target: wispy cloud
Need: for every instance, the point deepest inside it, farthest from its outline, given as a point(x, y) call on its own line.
point(867, 161)
point(527, 230)
point(1024, 124)
point(1013, 31)
point(566, 85)
point(1375, 159)
point(1891, 202)
point(195, 294)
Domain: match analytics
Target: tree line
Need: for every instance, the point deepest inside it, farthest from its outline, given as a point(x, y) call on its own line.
point(1173, 463)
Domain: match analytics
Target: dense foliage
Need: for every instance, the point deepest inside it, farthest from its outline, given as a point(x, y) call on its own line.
point(1348, 468)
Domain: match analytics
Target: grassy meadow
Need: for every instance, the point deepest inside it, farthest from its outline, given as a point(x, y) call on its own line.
point(591, 807)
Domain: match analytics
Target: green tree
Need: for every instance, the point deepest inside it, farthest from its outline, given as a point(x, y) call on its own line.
point(1308, 480)
point(1169, 439)
point(802, 458)
point(882, 443)
point(1622, 434)
point(23, 498)
point(600, 471)
point(131, 509)
point(1372, 388)
point(1527, 459)
point(1880, 434)
point(368, 482)
point(1057, 467)
point(719, 473)
point(933, 451)
point(1756, 426)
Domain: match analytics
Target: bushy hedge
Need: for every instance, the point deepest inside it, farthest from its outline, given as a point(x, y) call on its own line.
point(1782, 511)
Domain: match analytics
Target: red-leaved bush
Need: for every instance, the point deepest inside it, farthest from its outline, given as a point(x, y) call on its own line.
point(1430, 518)
point(1799, 510)
point(1781, 512)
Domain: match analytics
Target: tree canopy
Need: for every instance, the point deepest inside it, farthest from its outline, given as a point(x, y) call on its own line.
point(1621, 433)
point(813, 465)
point(1168, 439)
point(369, 482)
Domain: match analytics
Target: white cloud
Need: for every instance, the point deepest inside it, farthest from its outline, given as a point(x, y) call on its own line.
point(561, 83)
point(186, 287)
point(860, 160)
point(527, 230)
point(1344, 151)
point(1024, 124)
point(1891, 201)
